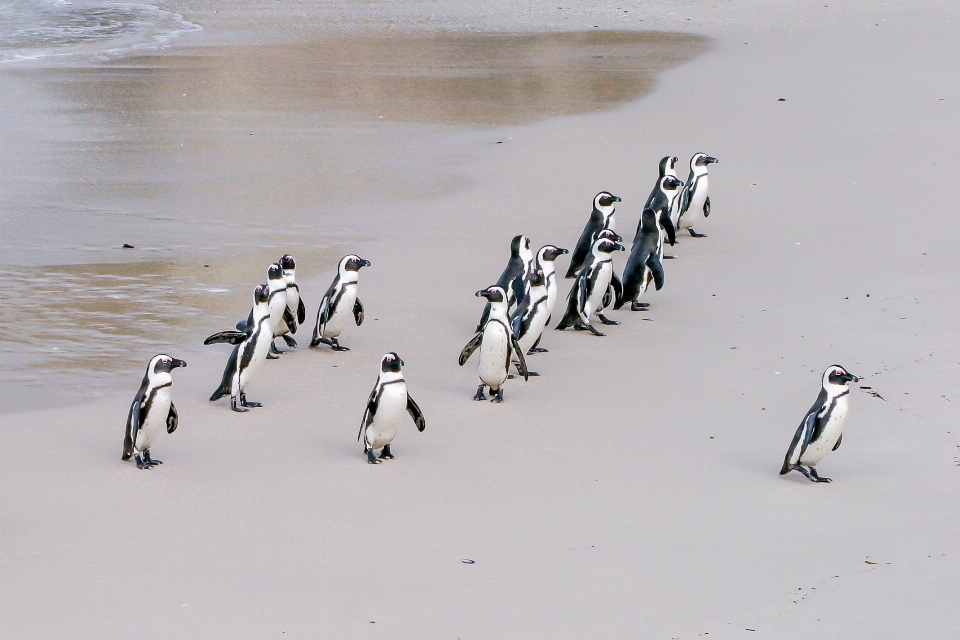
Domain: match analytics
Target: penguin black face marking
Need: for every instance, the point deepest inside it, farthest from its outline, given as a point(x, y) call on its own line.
point(670, 183)
point(275, 272)
point(605, 199)
point(493, 294)
point(609, 247)
point(287, 262)
point(355, 263)
point(551, 253)
point(536, 277)
point(391, 362)
point(609, 234)
point(840, 376)
point(704, 160)
point(261, 293)
point(166, 364)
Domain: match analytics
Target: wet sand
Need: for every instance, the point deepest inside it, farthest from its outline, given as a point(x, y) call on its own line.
point(637, 497)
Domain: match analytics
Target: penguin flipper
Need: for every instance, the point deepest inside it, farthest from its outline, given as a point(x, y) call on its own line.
point(519, 289)
point(133, 426)
point(583, 294)
point(472, 346)
point(172, 419)
point(358, 312)
point(656, 268)
point(837, 446)
point(301, 312)
point(370, 411)
point(414, 410)
point(706, 208)
point(518, 352)
point(667, 225)
point(290, 320)
point(244, 325)
point(617, 285)
point(800, 441)
point(233, 337)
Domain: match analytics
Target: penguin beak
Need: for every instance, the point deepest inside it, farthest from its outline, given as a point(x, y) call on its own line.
point(849, 377)
point(711, 160)
point(178, 363)
point(562, 252)
point(619, 247)
point(401, 362)
point(483, 293)
point(364, 263)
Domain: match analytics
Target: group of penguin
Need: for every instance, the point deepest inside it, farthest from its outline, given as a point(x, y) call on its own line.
point(518, 309)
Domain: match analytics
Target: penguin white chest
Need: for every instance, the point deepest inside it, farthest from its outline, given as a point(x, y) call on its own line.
point(156, 420)
point(537, 323)
point(342, 312)
point(260, 345)
point(551, 282)
point(828, 438)
point(697, 199)
point(493, 354)
point(278, 302)
point(604, 275)
point(390, 409)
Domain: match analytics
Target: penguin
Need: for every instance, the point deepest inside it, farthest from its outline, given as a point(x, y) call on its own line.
point(513, 278)
point(601, 218)
point(297, 313)
point(252, 348)
point(643, 265)
point(152, 411)
point(615, 288)
point(545, 262)
point(822, 428)
point(530, 318)
point(694, 198)
point(668, 167)
point(385, 408)
point(590, 287)
point(496, 342)
point(338, 303)
point(661, 200)
point(280, 315)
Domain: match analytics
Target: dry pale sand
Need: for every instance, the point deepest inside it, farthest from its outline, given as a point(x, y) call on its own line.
point(632, 490)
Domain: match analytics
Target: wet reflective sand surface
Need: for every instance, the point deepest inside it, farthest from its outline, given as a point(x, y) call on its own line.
point(231, 156)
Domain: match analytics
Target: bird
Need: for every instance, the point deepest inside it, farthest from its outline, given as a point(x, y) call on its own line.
point(530, 318)
point(694, 198)
point(296, 312)
point(821, 429)
point(338, 303)
point(590, 287)
point(513, 278)
point(496, 342)
point(385, 408)
point(643, 265)
point(546, 262)
point(602, 217)
point(152, 411)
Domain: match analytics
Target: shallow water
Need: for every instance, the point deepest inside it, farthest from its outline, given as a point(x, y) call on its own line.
point(233, 155)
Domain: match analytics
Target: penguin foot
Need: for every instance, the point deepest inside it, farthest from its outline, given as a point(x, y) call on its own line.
point(605, 320)
point(148, 460)
point(695, 234)
point(385, 454)
point(498, 397)
point(335, 345)
point(817, 478)
point(372, 459)
point(590, 328)
point(140, 463)
point(639, 306)
point(316, 342)
point(233, 405)
point(270, 356)
point(289, 340)
point(274, 350)
point(480, 395)
point(510, 376)
point(669, 257)
point(534, 350)
point(529, 373)
point(244, 403)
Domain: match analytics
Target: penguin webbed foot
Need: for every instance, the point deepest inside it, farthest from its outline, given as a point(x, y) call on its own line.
point(245, 403)
point(274, 350)
point(148, 460)
point(498, 396)
point(605, 320)
point(289, 340)
point(270, 356)
point(639, 306)
point(520, 371)
point(480, 395)
point(695, 234)
point(371, 458)
point(321, 340)
point(141, 464)
point(534, 350)
point(588, 327)
point(385, 454)
point(336, 346)
point(816, 477)
point(233, 405)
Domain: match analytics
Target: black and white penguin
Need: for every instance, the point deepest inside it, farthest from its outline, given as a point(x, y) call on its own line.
point(152, 411)
point(643, 265)
point(252, 348)
point(339, 302)
point(513, 278)
point(545, 261)
point(280, 316)
point(822, 427)
point(668, 167)
point(615, 288)
point(661, 201)
point(385, 407)
point(694, 199)
point(296, 312)
point(590, 287)
point(530, 318)
point(496, 342)
point(602, 217)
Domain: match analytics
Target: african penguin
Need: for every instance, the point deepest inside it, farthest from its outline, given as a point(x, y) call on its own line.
point(822, 428)
point(545, 262)
point(602, 217)
point(252, 348)
point(590, 287)
point(496, 342)
point(296, 312)
point(339, 302)
point(668, 167)
point(277, 303)
point(385, 407)
point(152, 411)
point(513, 278)
point(530, 318)
point(643, 265)
point(615, 288)
point(661, 201)
point(694, 198)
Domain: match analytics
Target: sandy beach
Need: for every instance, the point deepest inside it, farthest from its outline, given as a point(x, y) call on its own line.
point(631, 491)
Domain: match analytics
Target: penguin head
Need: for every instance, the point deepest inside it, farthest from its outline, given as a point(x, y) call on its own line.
point(549, 253)
point(701, 160)
point(353, 263)
point(494, 294)
point(274, 272)
point(261, 295)
point(668, 166)
point(391, 363)
point(608, 234)
point(604, 200)
point(670, 183)
point(836, 378)
point(519, 244)
point(287, 263)
point(605, 245)
point(536, 277)
point(165, 364)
